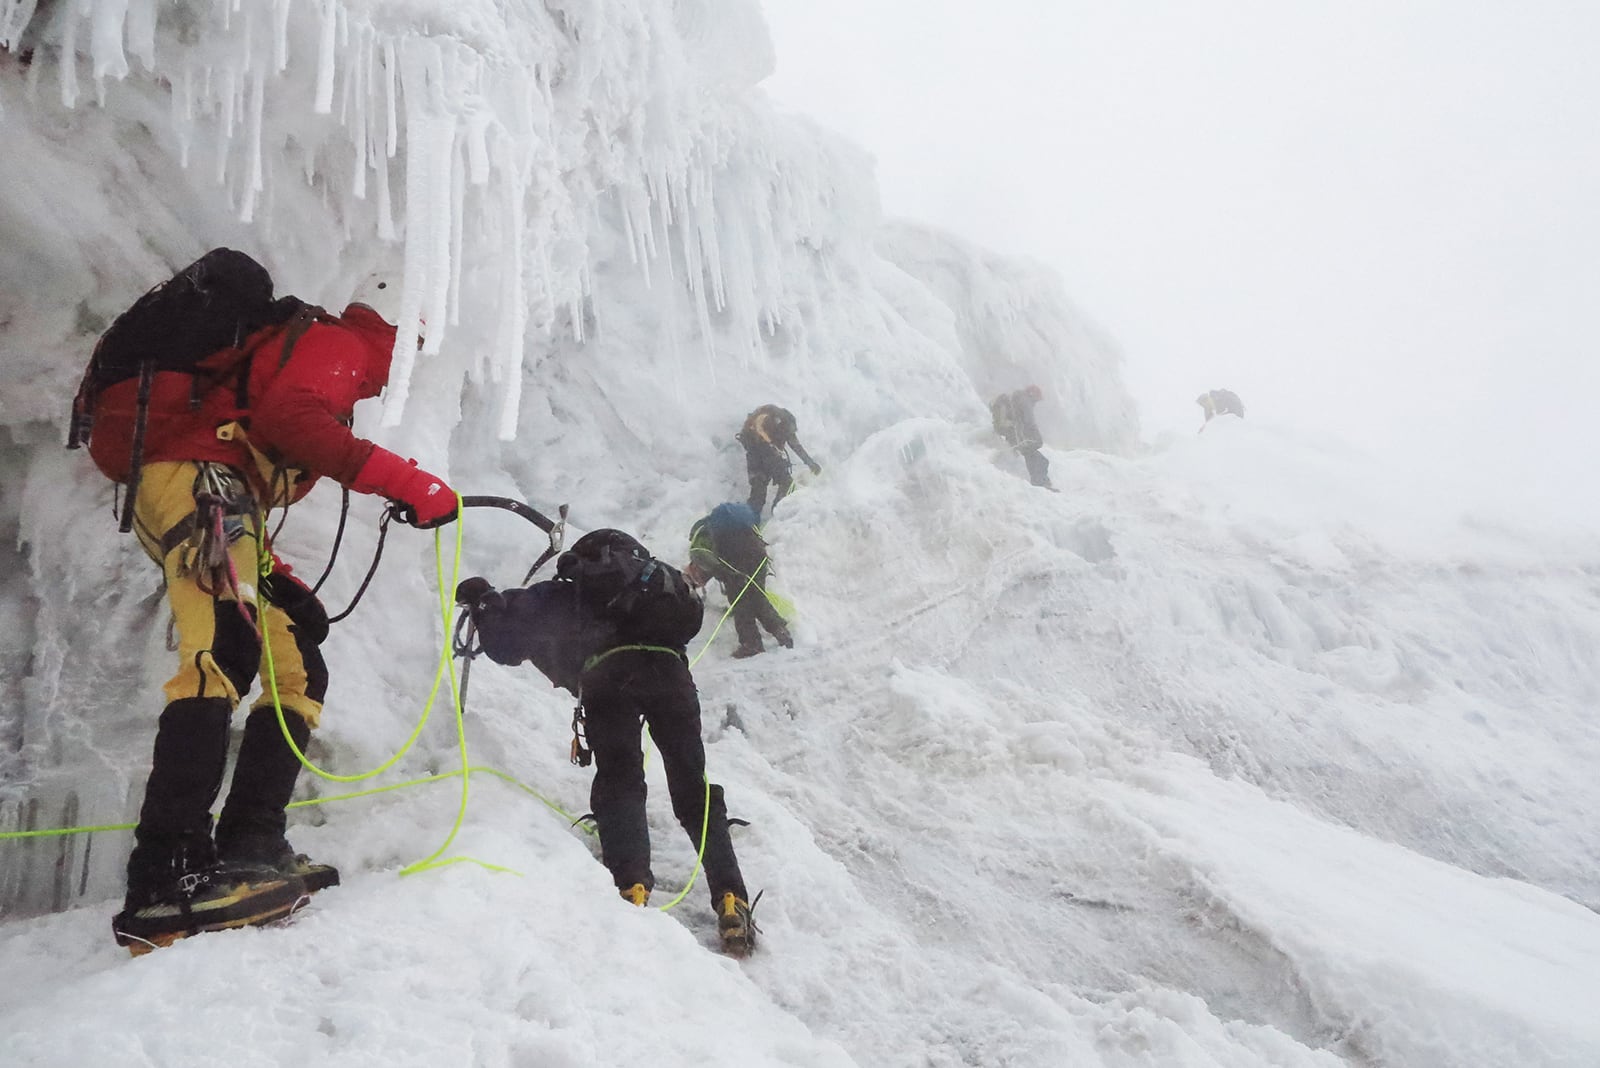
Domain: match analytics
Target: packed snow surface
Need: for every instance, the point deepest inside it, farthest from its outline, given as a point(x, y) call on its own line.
point(1243, 749)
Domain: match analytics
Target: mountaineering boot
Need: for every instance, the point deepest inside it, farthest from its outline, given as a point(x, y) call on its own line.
point(736, 926)
point(191, 893)
point(250, 830)
point(637, 894)
point(265, 855)
point(747, 649)
point(784, 638)
point(175, 885)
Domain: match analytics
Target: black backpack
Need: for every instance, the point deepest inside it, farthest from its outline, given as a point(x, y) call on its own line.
point(193, 324)
point(617, 582)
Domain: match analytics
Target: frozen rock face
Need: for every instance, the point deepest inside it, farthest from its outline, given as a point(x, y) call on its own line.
point(1244, 751)
point(610, 243)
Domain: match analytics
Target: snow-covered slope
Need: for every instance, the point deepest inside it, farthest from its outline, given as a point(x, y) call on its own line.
point(1242, 750)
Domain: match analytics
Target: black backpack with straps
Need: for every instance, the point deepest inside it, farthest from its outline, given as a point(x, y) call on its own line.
point(616, 581)
point(192, 326)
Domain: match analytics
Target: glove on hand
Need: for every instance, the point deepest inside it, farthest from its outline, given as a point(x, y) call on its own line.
point(816, 469)
point(428, 501)
point(305, 612)
point(476, 593)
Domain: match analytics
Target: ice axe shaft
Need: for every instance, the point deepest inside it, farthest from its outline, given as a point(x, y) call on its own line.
point(556, 528)
point(526, 511)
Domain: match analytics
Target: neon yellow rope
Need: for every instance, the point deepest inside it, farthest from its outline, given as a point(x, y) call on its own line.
point(431, 860)
point(445, 661)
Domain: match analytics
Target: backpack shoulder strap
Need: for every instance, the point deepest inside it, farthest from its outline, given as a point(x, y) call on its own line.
point(303, 320)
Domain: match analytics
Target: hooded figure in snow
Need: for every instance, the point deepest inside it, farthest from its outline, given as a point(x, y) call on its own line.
point(1013, 418)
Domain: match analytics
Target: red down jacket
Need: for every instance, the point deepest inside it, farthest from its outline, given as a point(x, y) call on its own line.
point(296, 413)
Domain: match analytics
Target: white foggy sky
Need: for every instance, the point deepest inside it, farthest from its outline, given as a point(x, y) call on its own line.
point(1377, 218)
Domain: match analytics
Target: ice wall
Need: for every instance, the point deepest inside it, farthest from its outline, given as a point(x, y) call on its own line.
point(617, 246)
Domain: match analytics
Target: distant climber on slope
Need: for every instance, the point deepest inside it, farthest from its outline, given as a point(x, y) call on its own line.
point(1217, 402)
point(611, 628)
point(245, 425)
point(1013, 420)
point(727, 546)
point(767, 435)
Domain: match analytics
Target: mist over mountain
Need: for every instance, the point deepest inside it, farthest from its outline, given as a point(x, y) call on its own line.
point(1243, 749)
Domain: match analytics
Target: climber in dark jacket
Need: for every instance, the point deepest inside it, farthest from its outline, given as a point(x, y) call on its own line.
point(726, 546)
point(1013, 420)
point(1217, 402)
point(623, 655)
point(767, 434)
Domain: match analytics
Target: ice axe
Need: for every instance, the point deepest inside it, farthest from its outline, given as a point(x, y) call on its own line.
point(556, 528)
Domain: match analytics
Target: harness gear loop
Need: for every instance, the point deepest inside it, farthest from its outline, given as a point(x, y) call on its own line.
point(581, 755)
point(223, 503)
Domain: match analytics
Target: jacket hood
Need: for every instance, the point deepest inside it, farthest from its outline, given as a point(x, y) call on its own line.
point(378, 336)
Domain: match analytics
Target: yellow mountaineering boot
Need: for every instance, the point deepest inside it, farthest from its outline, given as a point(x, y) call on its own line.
point(636, 894)
point(735, 925)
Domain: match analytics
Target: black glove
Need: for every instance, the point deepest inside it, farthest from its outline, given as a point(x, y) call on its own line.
point(476, 592)
point(305, 612)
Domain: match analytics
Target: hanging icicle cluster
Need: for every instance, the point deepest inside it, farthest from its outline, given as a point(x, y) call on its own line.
point(482, 139)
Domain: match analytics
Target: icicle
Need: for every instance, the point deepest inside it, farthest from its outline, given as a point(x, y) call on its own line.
point(705, 226)
point(380, 167)
point(427, 130)
point(142, 32)
point(458, 213)
point(280, 35)
point(630, 238)
point(183, 113)
point(68, 63)
point(14, 16)
point(477, 138)
point(414, 276)
point(224, 98)
point(252, 176)
point(361, 130)
point(513, 293)
point(441, 169)
point(390, 73)
point(347, 89)
point(247, 50)
point(105, 40)
point(325, 60)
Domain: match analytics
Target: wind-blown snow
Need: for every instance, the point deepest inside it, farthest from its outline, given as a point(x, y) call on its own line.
point(1242, 750)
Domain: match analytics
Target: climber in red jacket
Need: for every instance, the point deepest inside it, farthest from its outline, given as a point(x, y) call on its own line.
point(213, 462)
